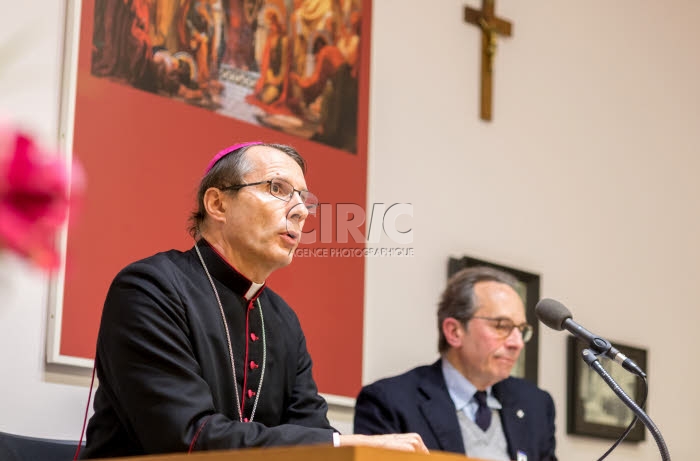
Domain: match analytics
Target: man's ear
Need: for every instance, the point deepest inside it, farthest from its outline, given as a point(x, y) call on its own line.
point(215, 204)
point(453, 330)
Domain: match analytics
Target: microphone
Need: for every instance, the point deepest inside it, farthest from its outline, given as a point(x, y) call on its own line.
point(557, 317)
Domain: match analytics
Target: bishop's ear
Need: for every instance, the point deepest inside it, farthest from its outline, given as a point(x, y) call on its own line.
point(215, 204)
point(453, 330)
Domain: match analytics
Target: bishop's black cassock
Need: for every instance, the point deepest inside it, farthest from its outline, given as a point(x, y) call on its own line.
point(163, 363)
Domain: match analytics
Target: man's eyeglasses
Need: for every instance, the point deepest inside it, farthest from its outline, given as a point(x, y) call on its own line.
point(504, 327)
point(281, 189)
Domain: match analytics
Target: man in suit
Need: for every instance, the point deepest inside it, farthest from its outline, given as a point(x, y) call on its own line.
point(466, 402)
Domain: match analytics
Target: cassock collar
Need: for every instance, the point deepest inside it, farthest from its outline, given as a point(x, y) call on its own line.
point(225, 273)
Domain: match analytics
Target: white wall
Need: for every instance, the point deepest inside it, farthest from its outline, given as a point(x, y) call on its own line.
point(34, 399)
point(587, 176)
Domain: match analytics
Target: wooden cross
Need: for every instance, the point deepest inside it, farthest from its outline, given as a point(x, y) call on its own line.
point(490, 26)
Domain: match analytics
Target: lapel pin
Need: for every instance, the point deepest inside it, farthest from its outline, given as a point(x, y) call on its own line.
point(520, 414)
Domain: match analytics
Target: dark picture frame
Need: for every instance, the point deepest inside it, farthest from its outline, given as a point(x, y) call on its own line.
point(529, 290)
point(593, 409)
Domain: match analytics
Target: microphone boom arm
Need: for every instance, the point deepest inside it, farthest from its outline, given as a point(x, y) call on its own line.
point(590, 358)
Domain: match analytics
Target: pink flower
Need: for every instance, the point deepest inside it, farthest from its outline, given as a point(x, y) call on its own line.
point(36, 190)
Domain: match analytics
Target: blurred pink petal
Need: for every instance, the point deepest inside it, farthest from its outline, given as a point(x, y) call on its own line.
point(36, 191)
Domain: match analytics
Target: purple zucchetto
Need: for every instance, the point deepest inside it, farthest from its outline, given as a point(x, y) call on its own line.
point(223, 153)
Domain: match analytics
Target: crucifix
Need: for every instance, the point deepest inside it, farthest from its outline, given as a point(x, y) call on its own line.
point(490, 27)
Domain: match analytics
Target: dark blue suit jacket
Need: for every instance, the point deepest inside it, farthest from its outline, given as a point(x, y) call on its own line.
point(418, 401)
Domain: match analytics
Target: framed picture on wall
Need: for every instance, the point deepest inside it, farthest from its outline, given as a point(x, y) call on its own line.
point(529, 290)
point(593, 408)
point(153, 89)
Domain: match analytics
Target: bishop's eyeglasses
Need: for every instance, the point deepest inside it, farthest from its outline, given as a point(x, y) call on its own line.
point(505, 326)
point(281, 189)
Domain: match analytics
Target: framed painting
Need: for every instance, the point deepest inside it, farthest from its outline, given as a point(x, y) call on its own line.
point(593, 408)
point(154, 88)
point(529, 291)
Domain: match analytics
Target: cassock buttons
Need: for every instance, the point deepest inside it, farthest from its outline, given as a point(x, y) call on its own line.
point(251, 306)
point(254, 337)
point(251, 393)
point(245, 420)
point(253, 365)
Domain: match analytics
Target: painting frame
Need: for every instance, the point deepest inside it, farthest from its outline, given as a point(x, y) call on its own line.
point(530, 284)
point(116, 131)
point(587, 394)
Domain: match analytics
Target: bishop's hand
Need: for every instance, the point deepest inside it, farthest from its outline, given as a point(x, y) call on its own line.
point(403, 442)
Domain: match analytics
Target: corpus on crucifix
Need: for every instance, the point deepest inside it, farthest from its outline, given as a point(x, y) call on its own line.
point(490, 26)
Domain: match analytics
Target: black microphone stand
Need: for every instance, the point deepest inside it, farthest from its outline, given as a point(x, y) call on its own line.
point(590, 358)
